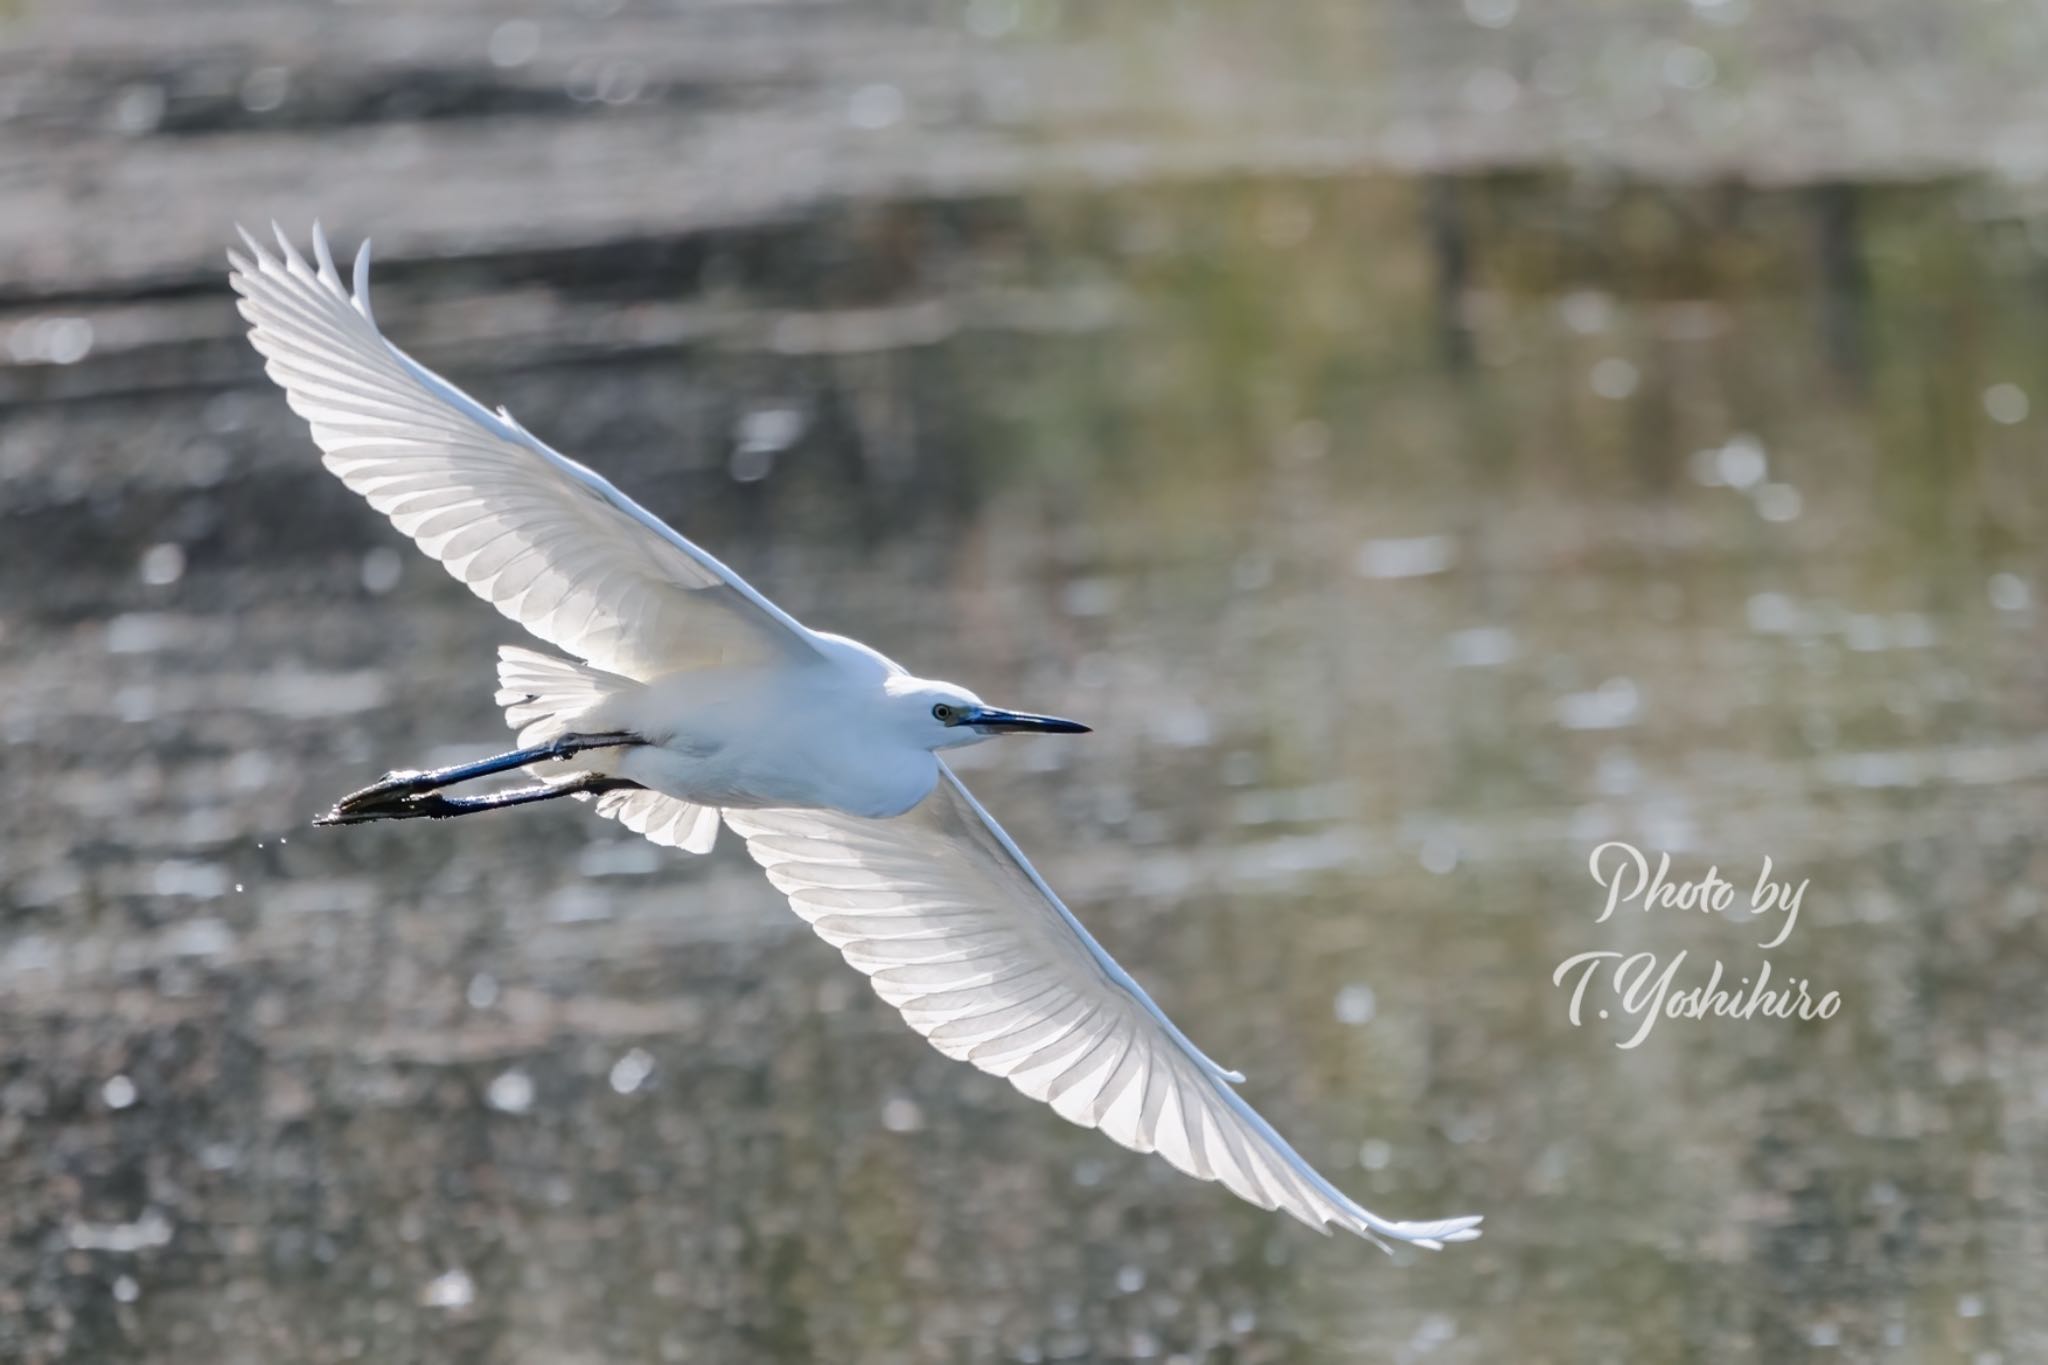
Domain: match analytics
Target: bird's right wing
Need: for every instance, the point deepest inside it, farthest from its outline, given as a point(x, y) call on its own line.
point(955, 929)
point(540, 537)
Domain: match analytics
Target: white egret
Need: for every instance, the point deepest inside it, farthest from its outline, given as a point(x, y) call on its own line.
point(692, 699)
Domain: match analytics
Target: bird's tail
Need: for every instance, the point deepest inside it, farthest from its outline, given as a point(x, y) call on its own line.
point(543, 698)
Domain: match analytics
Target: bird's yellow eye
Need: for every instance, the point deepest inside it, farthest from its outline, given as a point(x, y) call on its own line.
point(943, 714)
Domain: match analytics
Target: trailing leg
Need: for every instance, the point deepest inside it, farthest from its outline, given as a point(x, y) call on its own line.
point(432, 805)
point(389, 796)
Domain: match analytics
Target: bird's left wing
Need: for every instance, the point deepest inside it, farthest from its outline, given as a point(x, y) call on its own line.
point(540, 537)
point(955, 929)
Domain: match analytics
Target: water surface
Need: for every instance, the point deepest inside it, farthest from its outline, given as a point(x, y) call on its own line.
point(1403, 540)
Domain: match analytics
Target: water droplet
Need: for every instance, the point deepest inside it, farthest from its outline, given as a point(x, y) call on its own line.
point(1740, 463)
point(510, 1092)
point(454, 1289)
point(1615, 703)
point(1481, 647)
point(1614, 378)
point(631, 1071)
point(67, 340)
point(382, 568)
point(152, 1229)
point(874, 107)
point(138, 109)
point(1356, 1004)
point(1773, 613)
point(770, 429)
point(1406, 557)
point(266, 88)
point(2006, 404)
point(900, 1114)
point(1588, 312)
point(162, 565)
point(514, 43)
point(52, 341)
point(2009, 592)
point(620, 82)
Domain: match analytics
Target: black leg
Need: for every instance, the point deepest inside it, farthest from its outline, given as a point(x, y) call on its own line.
point(431, 805)
point(389, 796)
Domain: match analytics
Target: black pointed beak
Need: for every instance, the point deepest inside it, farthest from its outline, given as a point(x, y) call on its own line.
point(991, 721)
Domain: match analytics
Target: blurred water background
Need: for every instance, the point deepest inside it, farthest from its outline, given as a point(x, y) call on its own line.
point(1425, 440)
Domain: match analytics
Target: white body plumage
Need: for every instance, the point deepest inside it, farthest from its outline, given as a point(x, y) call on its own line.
point(845, 732)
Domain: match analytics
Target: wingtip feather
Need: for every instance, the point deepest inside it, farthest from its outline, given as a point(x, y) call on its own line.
point(323, 256)
point(1431, 1236)
point(362, 282)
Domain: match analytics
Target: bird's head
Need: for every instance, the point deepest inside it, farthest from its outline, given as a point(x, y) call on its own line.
point(943, 716)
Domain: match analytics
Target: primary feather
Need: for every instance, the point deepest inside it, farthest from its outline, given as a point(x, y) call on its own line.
point(543, 539)
point(956, 930)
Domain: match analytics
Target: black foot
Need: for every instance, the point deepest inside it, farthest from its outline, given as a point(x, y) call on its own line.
point(410, 795)
point(385, 799)
point(432, 805)
point(370, 803)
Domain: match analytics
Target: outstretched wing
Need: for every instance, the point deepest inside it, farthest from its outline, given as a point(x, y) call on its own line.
point(544, 540)
point(955, 929)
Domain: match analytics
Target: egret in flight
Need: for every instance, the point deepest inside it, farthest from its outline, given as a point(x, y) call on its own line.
point(689, 699)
